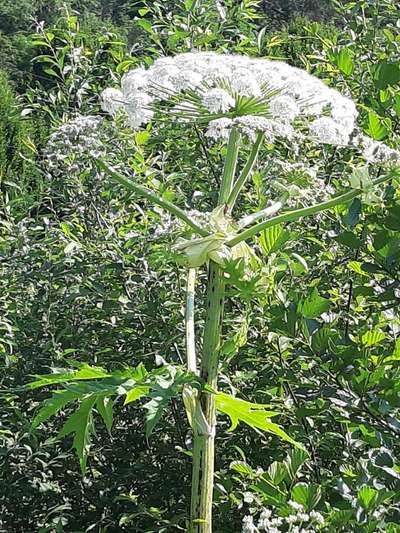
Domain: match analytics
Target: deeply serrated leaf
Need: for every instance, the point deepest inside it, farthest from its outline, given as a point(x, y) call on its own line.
point(253, 414)
point(54, 404)
point(80, 423)
point(273, 238)
point(84, 372)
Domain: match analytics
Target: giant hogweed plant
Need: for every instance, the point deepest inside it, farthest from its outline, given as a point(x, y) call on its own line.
point(246, 106)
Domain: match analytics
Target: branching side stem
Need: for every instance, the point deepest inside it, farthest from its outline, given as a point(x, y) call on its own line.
point(144, 192)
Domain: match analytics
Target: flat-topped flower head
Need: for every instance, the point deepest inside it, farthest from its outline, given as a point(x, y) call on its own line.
point(206, 87)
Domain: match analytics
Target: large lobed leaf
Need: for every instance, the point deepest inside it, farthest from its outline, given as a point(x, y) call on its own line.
point(254, 415)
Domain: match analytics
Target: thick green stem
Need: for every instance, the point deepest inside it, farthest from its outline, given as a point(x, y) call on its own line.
point(240, 182)
point(153, 197)
point(203, 445)
point(204, 433)
point(299, 213)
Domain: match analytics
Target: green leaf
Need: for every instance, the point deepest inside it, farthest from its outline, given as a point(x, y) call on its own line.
point(367, 496)
point(314, 305)
point(295, 460)
point(254, 415)
point(306, 495)
point(372, 338)
point(348, 238)
point(136, 393)
point(386, 74)
point(376, 126)
point(80, 423)
point(356, 267)
point(273, 238)
point(277, 472)
point(104, 406)
point(344, 61)
point(242, 468)
point(54, 404)
point(189, 4)
point(360, 178)
point(84, 372)
point(146, 25)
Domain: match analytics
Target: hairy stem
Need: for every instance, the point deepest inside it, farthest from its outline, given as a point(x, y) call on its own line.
point(144, 192)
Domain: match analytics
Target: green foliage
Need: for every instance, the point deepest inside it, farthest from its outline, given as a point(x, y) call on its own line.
point(84, 280)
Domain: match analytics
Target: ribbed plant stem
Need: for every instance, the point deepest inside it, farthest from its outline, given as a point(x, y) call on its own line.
point(203, 445)
point(204, 434)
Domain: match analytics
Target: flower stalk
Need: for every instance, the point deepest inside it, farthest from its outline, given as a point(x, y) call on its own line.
point(300, 213)
point(144, 192)
point(246, 172)
point(204, 441)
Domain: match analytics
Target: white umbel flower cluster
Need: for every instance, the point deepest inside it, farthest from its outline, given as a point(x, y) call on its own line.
point(307, 522)
point(377, 151)
point(219, 80)
point(71, 143)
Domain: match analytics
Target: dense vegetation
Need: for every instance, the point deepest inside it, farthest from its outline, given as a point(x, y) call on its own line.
point(88, 276)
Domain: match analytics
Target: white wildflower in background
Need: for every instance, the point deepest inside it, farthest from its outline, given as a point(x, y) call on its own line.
point(377, 151)
point(329, 115)
point(71, 143)
point(296, 506)
point(248, 525)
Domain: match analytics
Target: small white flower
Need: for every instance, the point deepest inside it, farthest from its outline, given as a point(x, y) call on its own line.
point(295, 505)
point(218, 100)
point(112, 100)
point(325, 130)
point(219, 128)
point(266, 514)
point(376, 151)
point(245, 85)
point(248, 525)
point(317, 517)
point(284, 107)
point(304, 517)
point(291, 519)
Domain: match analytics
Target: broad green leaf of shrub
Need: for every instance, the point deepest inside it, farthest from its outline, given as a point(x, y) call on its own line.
point(295, 460)
point(343, 59)
point(377, 128)
point(386, 74)
point(306, 495)
point(242, 468)
point(273, 238)
point(372, 338)
point(367, 497)
point(253, 414)
point(314, 305)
